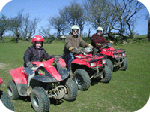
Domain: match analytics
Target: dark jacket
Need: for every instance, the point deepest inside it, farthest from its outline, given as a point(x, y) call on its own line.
point(73, 42)
point(34, 55)
point(98, 39)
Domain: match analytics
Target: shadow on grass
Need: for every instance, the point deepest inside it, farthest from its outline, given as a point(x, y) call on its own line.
point(52, 101)
point(96, 81)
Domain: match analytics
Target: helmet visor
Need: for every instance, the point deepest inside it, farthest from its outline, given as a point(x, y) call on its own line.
point(38, 42)
point(99, 30)
point(75, 30)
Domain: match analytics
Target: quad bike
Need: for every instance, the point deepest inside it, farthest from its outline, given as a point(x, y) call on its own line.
point(50, 81)
point(116, 58)
point(5, 98)
point(85, 66)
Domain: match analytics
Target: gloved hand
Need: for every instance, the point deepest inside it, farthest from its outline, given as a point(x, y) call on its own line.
point(111, 42)
point(71, 48)
point(75, 50)
point(89, 45)
point(29, 64)
point(98, 44)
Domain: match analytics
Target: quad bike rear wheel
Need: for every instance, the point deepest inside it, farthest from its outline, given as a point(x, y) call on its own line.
point(107, 75)
point(72, 90)
point(40, 100)
point(12, 90)
point(82, 79)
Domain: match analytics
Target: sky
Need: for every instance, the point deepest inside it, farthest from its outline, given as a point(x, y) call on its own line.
point(44, 9)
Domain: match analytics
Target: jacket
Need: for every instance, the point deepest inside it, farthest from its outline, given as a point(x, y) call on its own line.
point(98, 39)
point(34, 55)
point(73, 42)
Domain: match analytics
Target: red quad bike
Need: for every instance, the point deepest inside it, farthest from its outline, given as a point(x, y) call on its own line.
point(53, 84)
point(5, 98)
point(85, 66)
point(116, 58)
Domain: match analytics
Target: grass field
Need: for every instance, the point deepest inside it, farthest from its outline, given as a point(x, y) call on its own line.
point(127, 91)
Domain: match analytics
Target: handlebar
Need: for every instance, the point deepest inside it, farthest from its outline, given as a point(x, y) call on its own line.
point(106, 45)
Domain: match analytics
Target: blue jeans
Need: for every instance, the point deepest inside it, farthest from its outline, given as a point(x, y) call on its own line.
point(68, 59)
point(30, 73)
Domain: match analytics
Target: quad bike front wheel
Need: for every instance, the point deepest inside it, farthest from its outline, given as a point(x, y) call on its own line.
point(72, 90)
point(12, 90)
point(107, 75)
point(109, 63)
point(40, 100)
point(82, 79)
point(124, 64)
point(6, 100)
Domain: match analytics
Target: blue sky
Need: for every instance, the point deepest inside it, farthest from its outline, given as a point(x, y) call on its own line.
point(43, 9)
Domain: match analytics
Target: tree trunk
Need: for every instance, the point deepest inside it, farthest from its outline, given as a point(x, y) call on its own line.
point(1, 38)
point(149, 30)
point(17, 39)
point(89, 33)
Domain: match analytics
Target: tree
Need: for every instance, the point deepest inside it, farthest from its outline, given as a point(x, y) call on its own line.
point(127, 16)
point(149, 30)
point(16, 25)
point(118, 15)
point(74, 15)
point(28, 26)
point(3, 26)
point(45, 32)
point(57, 22)
point(147, 17)
point(97, 12)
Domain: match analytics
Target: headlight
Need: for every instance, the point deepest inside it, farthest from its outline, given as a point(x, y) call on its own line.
point(115, 55)
point(123, 54)
point(104, 61)
point(92, 64)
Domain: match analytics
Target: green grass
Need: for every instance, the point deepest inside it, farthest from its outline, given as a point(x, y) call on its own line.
point(127, 91)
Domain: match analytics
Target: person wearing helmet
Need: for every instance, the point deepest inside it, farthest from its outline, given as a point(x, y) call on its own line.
point(35, 53)
point(72, 42)
point(97, 39)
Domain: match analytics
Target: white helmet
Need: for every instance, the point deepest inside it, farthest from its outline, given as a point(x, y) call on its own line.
point(75, 27)
point(100, 29)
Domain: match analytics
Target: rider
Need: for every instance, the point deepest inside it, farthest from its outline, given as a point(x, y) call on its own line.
point(97, 39)
point(35, 53)
point(72, 42)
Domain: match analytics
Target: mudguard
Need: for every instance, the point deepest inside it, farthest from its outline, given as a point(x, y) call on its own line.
point(62, 62)
point(19, 75)
point(58, 75)
point(110, 51)
point(1, 80)
point(80, 62)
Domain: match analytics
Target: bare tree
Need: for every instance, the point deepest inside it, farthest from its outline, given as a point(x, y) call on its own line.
point(74, 15)
point(45, 32)
point(147, 17)
point(96, 12)
point(16, 25)
point(119, 15)
point(29, 26)
point(3, 26)
point(127, 15)
point(57, 22)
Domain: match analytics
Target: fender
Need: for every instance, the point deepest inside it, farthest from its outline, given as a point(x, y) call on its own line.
point(48, 66)
point(62, 62)
point(1, 80)
point(81, 62)
point(19, 75)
